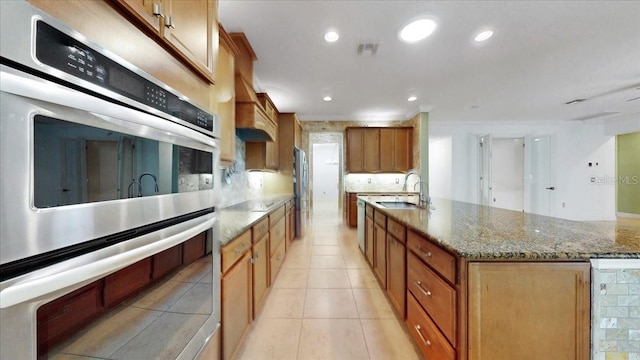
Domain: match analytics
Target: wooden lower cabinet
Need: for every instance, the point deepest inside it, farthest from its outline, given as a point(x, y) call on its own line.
point(529, 310)
point(368, 235)
point(380, 254)
point(124, 283)
point(276, 261)
point(260, 272)
point(352, 210)
point(165, 261)
point(426, 334)
point(236, 305)
point(396, 274)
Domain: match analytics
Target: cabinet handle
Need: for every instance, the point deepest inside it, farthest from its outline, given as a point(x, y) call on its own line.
point(256, 254)
point(157, 10)
point(169, 23)
point(418, 328)
point(427, 253)
point(426, 292)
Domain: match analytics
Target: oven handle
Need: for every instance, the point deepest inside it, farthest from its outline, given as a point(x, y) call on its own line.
point(34, 289)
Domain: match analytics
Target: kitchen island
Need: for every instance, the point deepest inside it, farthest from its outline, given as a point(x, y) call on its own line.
point(474, 282)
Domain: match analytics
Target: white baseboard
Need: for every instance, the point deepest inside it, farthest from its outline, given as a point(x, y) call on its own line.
point(628, 215)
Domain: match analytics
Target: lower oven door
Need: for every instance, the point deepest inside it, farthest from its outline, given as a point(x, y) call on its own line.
point(76, 168)
point(172, 315)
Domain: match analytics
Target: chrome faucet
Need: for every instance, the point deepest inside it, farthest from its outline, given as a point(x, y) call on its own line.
point(155, 180)
point(129, 190)
point(424, 201)
point(406, 177)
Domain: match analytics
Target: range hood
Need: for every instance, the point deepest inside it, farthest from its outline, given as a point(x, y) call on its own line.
point(255, 116)
point(253, 121)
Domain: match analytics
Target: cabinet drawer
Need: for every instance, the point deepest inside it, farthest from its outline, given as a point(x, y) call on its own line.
point(276, 235)
point(65, 315)
point(276, 261)
point(193, 249)
point(235, 249)
point(429, 339)
point(380, 219)
point(276, 215)
point(260, 229)
point(434, 294)
point(397, 230)
point(165, 261)
point(440, 260)
point(369, 211)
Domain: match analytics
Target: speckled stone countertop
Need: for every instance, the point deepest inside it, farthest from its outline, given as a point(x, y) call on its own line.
point(238, 218)
point(481, 232)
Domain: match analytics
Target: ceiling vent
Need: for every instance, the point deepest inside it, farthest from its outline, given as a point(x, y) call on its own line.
point(593, 116)
point(367, 50)
point(576, 101)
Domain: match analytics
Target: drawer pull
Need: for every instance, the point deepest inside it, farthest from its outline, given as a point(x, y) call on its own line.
point(240, 249)
point(418, 329)
point(426, 292)
point(427, 253)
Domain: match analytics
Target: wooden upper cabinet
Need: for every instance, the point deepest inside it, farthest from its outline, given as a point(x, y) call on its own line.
point(188, 28)
point(225, 98)
point(371, 150)
point(355, 144)
point(289, 136)
point(396, 149)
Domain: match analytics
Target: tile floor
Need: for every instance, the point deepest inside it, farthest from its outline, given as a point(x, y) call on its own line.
point(326, 303)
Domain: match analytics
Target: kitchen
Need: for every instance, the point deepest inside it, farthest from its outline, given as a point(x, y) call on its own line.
point(254, 187)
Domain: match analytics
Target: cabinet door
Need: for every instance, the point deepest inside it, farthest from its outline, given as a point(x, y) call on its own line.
point(260, 272)
point(371, 150)
point(225, 99)
point(236, 305)
point(353, 210)
point(189, 28)
point(369, 236)
point(396, 274)
point(387, 149)
point(355, 146)
point(143, 10)
point(403, 149)
point(380, 254)
point(272, 159)
point(529, 311)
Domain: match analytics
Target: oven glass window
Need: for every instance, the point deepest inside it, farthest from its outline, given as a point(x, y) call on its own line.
point(76, 163)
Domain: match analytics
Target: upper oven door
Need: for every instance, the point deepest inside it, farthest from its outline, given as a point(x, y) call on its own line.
point(76, 168)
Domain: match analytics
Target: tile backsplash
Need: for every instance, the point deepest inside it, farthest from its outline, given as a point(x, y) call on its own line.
point(244, 184)
point(377, 182)
point(615, 310)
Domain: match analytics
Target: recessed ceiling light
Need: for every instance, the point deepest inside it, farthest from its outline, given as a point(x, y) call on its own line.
point(483, 35)
point(417, 30)
point(331, 36)
point(536, 139)
point(327, 98)
point(412, 98)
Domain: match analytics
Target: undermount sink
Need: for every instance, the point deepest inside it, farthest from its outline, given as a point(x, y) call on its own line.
point(397, 205)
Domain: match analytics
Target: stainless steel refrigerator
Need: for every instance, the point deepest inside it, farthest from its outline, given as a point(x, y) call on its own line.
point(300, 186)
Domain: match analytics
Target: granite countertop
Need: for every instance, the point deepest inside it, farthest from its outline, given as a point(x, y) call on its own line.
point(238, 218)
point(481, 232)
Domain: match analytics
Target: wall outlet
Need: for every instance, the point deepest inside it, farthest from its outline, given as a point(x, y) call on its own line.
point(397, 181)
point(564, 205)
point(369, 180)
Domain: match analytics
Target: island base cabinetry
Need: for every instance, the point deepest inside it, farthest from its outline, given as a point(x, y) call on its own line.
point(425, 333)
point(532, 310)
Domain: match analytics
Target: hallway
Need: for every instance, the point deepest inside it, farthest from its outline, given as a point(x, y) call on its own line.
point(326, 303)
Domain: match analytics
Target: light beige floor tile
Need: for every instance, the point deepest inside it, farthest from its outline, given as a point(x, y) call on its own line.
point(272, 339)
point(297, 262)
point(161, 296)
point(284, 304)
point(163, 339)
point(372, 304)
point(292, 279)
point(326, 250)
point(193, 273)
point(328, 279)
point(197, 300)
point(327, 262)
point(330, 304)
point(104, 337)
point(362, 279)
point(325, 339)
point(328, 240)
point(386, 340)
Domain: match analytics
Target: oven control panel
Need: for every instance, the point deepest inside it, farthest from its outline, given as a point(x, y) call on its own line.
point(63, 52)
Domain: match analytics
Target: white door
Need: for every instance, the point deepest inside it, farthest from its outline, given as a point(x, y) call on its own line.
point(484, 170)
point(325, 173)
point(507, 173)
point(541, 190)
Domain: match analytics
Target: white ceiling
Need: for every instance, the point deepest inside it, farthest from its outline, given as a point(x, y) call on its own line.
point(542, 55)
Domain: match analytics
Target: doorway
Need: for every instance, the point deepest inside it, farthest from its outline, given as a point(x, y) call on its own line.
point(326, 172)
point(539, 176)
point(501, 172)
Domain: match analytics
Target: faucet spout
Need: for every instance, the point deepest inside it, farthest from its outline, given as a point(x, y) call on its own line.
point(424, 201)
point(406, 178)
point(155, 180)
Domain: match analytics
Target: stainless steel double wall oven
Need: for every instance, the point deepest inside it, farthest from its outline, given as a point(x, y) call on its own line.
point(102, 167)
